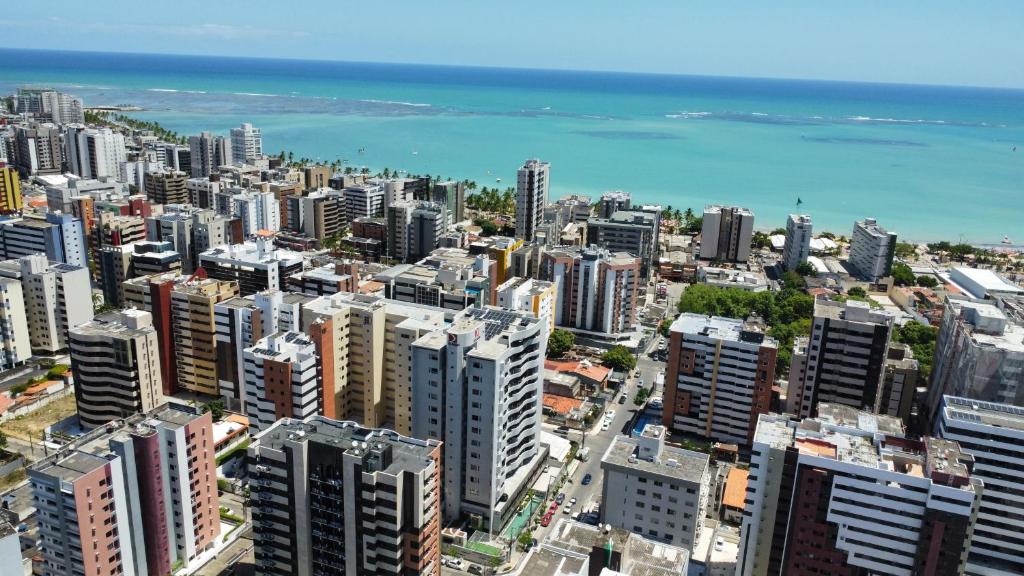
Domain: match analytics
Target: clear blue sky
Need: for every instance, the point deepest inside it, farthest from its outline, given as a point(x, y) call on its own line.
point(973, 42)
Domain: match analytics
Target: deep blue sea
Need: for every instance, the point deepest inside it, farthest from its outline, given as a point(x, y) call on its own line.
point(928, 162)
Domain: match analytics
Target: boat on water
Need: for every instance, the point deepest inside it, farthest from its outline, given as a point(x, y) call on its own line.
point(498, 180)
point(1006, 240)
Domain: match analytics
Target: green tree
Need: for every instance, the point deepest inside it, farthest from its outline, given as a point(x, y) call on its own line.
point(902, 275)
point(760, 240)
point(215, 408)
point(619, 358)
point(856, 292)
point(559, 342)
point(921, 339)
point(665, 327)
point(793, 280)
point(487, 228)
point(806, 269)
point(904, 250)
point(927, 281)
point(525, 539)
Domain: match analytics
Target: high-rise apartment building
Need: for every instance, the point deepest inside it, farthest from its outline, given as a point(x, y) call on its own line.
point(364, 343)
point(167, 187)
point(477, 386)
point(48, 104)
point(365, 200)
point(725, 233)
point(414, 229)
point(528, 295)
point(846, 494)
point(797, 248)
point(240, 323)
point(10, 190)
point(15, 345)
point(177, 229)
point(202, 191)
point(255, 266)
point(658, 491)
point(207, 153)
point(183, 315)
point(871, 250)
point(334, 497)
point(94, 152)
point(246, 144)
point(134, 497)
point(532, 184)
point(596, 289)
point(846, 356)
point(57, 297)
point(633, 232)
point(38, 149)
point(451, 195)
point(258, 211)
point(994, 435)
point(281, 379)
point(116, 362)
point(59, 236)
point(979, 353)
point(612, 202)
point(319, 215)
point(718, 377)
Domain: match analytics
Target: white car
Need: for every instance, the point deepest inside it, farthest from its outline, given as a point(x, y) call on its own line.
point(606, 426)
point(567, 509)
point(609, 414)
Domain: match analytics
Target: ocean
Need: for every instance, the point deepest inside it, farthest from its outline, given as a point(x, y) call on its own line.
point(929, 162)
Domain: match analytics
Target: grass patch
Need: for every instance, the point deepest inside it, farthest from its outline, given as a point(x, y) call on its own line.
point(13, 479)
point(238, 450)
point(483, 548)
point(225, 514)
point(33, 424)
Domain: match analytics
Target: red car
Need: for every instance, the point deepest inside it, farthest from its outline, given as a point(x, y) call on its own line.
point(546, 520)
point(553, 508)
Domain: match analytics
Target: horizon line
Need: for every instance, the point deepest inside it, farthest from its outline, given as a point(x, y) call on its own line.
point(519, 68)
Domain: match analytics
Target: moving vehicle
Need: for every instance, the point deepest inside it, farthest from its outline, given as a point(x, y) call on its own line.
point(587, 479)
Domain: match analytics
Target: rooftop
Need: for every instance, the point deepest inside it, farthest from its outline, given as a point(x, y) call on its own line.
point(735, 488)
point(407, 454)
point(729, 329)
point(675, 463)
point(983, 413)
point(567, 549)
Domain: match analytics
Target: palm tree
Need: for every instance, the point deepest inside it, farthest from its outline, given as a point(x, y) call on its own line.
point(688, 215)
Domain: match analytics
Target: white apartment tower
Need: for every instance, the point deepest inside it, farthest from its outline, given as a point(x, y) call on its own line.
point(658, 491)
point(94, 153)
point(57, 297)
point(798, 241)
point(871, 250)
point(246, 144)
point(477, 386)
point(15, 346)
point(532, 185)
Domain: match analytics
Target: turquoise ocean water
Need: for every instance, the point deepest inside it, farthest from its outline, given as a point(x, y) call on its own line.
point(928, 162)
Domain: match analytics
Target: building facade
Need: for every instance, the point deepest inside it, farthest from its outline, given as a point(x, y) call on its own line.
point(847, 494)
point(718, 377)
point(872, 249)
point(797, 248)
point(334, 497)
point(725, 233)
point(596, 290)
point(532, 184)
point(116, 363)
point(477, 386)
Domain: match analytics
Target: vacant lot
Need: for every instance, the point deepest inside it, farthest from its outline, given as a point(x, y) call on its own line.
point(34, 423)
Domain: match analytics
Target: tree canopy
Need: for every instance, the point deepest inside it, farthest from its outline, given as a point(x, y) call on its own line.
point(921, 338)
point(559, 342)
point(619, 358)
point(902, 275)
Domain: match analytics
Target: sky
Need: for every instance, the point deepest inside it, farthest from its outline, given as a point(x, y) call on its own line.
point(953, 42)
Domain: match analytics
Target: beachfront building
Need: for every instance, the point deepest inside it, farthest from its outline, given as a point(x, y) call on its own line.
point(207, 153)
point(797, 248)
point(116, 362)
point(334, 497)
point(726, 232)
point(848, 493)
point(246, 144)
point(612, 202)
point(478, 386)
point(633, 232)
point(532, 182)
point(718, 377)
point(872, 249)
point(657, 491)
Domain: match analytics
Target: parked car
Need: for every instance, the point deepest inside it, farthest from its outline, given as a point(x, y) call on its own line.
point(622, 399)
point(572, 501)
point(546, 520)
point(562, 430)
point(456, 563)
point(606, 426)
point(609, 414)
point(560, 498)
point(587, 479)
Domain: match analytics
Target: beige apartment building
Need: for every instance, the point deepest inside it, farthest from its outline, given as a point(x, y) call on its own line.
point(364, 342)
